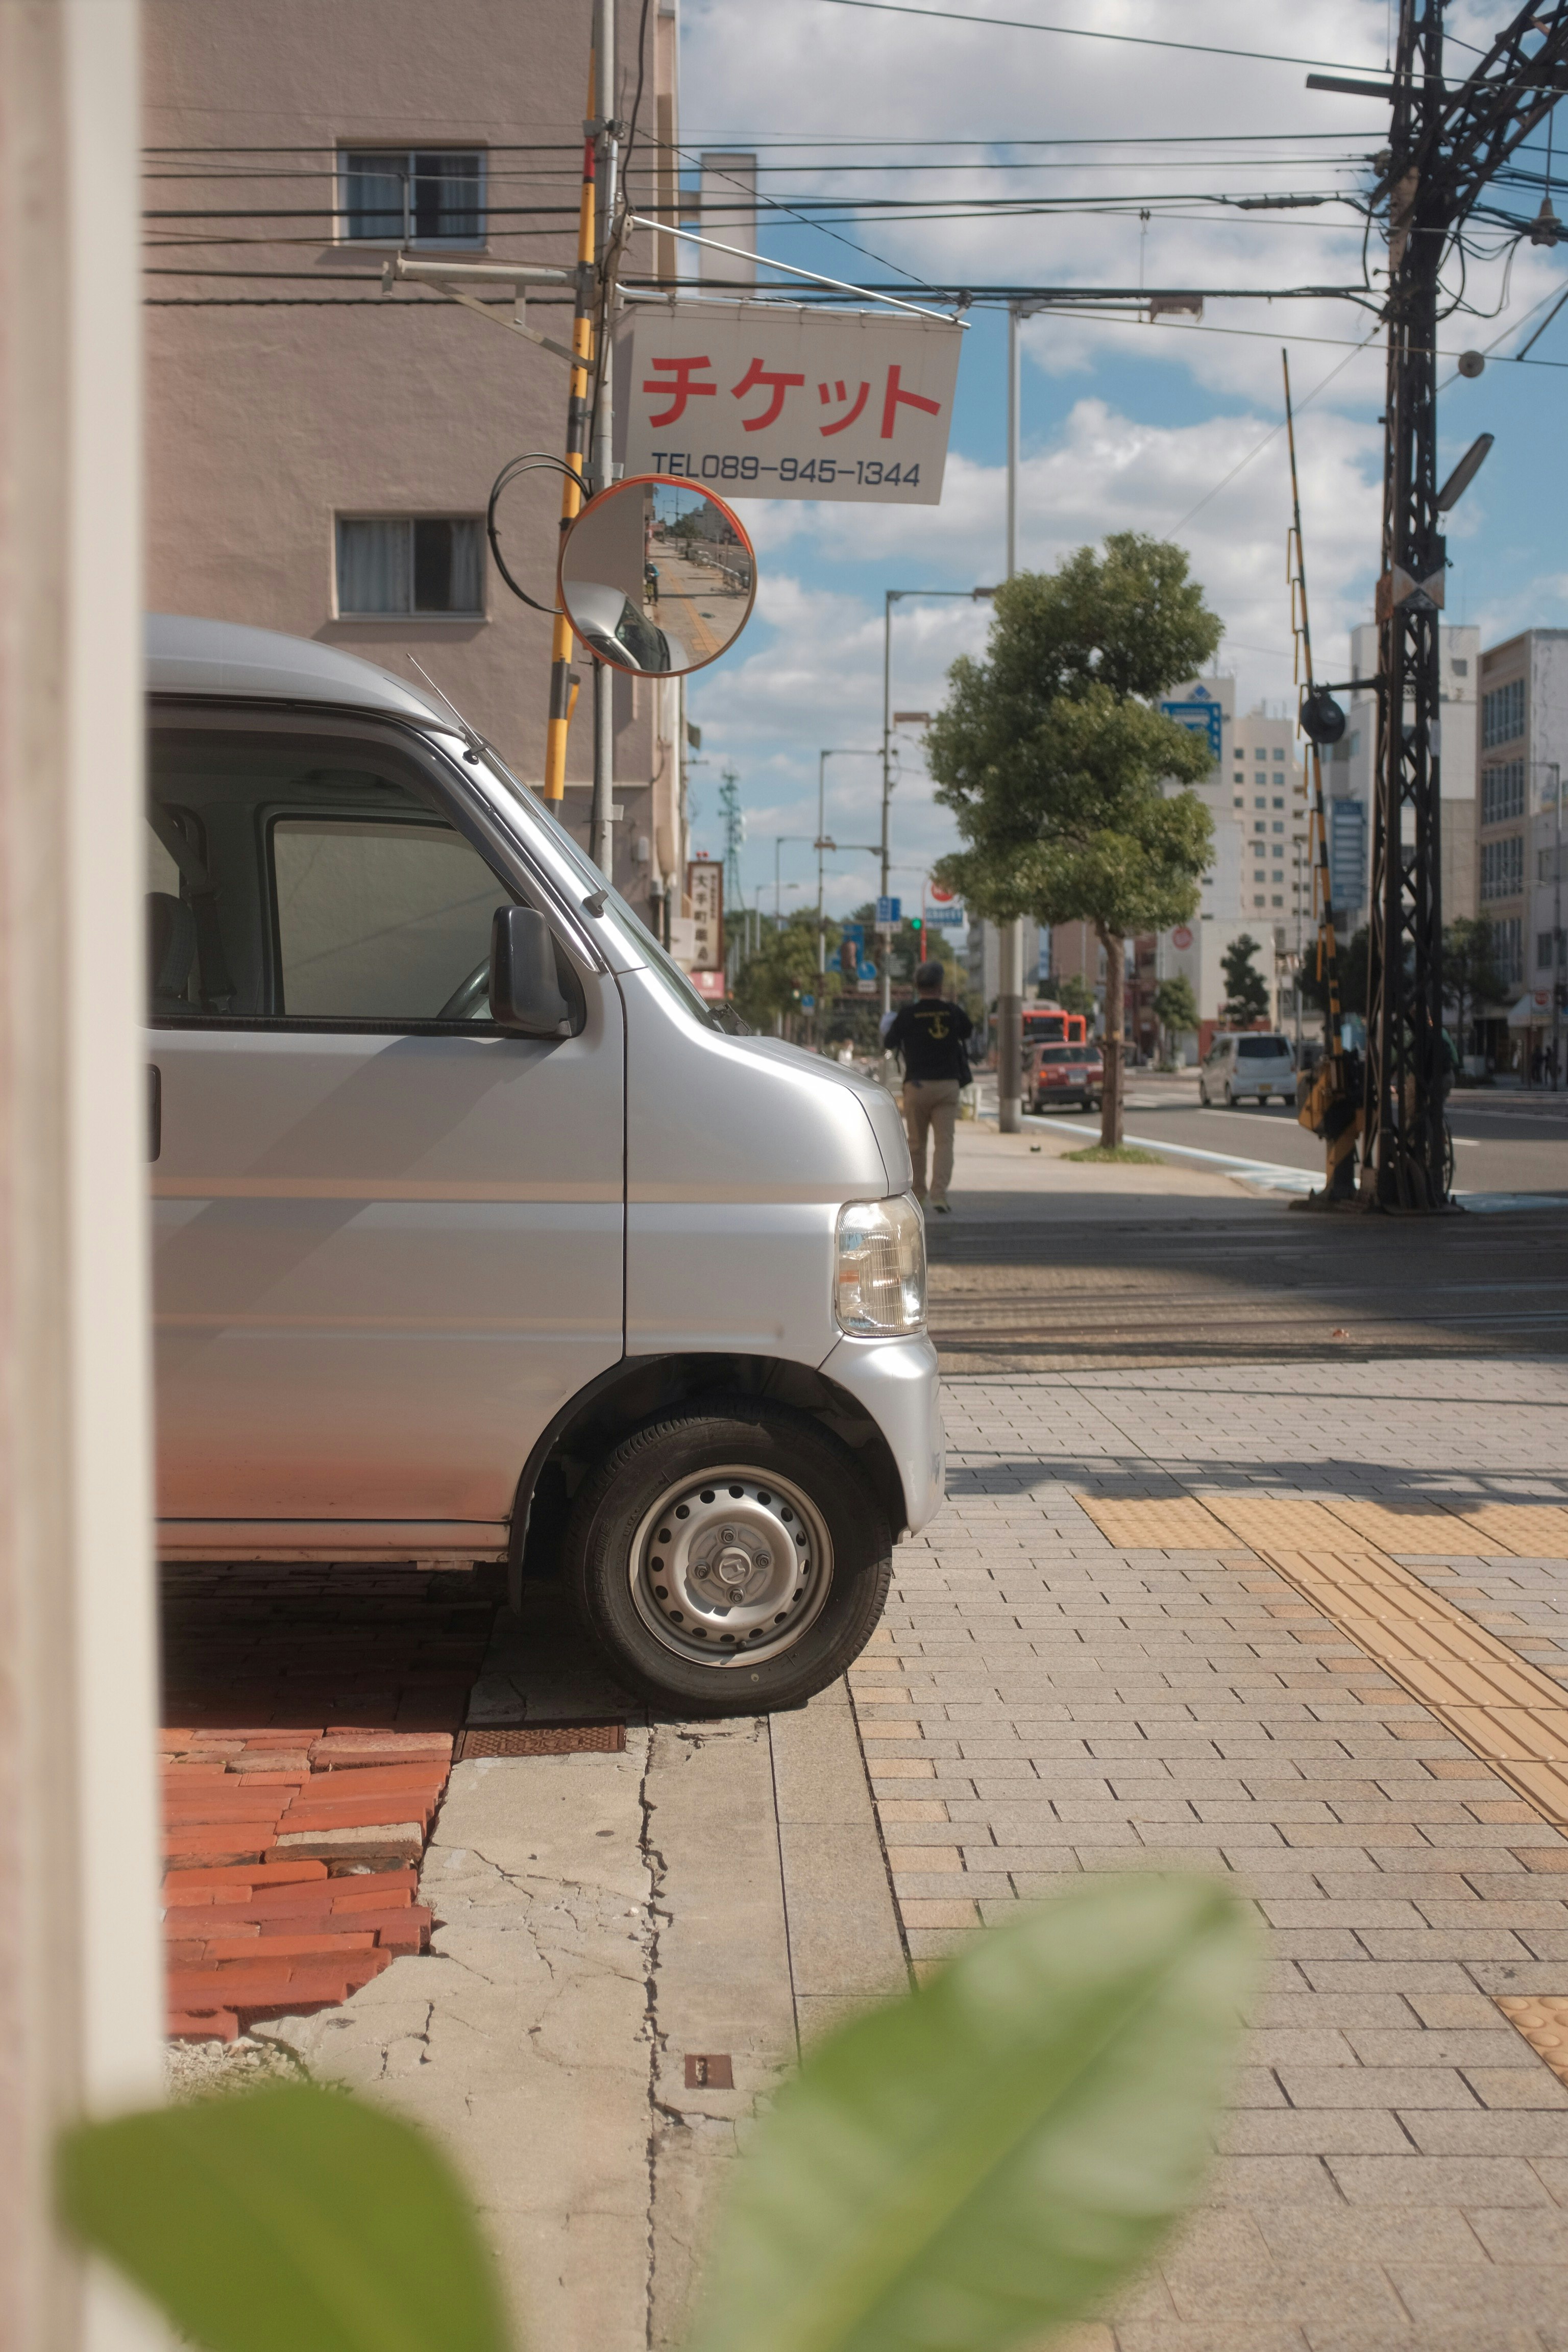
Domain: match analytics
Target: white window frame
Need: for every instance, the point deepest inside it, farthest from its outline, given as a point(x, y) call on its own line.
point(411, 244)
point(464, 619)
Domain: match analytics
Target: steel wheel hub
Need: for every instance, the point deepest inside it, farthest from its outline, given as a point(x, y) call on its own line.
point(730, 1566)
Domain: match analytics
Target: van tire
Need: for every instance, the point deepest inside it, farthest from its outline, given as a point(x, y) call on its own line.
point(613, 1589)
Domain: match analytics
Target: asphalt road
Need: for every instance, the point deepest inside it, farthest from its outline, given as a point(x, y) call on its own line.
point(1022, 1285)
point(1503, 1142)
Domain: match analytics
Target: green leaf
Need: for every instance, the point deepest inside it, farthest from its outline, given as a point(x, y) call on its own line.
point(288, 2220)
point(984, 2160)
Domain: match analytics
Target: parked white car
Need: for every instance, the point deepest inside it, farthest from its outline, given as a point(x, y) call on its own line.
point(479, 1235)
point(1246, 1062)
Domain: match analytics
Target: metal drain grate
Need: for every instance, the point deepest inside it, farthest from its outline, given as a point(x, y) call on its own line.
point(540, 1739)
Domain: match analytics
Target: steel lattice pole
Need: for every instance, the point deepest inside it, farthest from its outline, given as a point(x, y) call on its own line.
point(1403, 1160)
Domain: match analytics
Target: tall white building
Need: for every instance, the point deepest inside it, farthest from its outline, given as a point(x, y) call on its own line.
point(1258, 881)
point(1348, 779)
point(1523, 757)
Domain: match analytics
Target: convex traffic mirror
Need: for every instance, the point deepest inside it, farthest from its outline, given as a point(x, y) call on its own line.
point(656, 576)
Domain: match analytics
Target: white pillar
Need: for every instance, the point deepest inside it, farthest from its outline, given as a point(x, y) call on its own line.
point(80, 1964)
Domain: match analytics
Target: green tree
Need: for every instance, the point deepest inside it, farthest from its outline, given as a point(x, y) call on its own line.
point(1074, 994)
point(1470, 972)
point(772, 983)
point(1176, 1007)
point(1055, 761)
point(1246, 990)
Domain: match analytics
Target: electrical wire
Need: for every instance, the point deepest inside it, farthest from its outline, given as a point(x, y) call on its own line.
point(1258, 447)
point(1086, 32)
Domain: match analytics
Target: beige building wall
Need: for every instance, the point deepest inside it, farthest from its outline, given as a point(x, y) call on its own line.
point(286, 390)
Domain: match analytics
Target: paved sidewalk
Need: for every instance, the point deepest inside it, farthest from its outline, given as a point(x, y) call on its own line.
point(629, 1949)
point(1040, 1702)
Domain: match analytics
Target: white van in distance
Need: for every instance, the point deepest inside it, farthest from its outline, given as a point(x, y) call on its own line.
point(478, 1234)
point(1246, 1062)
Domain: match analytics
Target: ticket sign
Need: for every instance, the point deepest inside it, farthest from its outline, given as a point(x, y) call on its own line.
point(759, 401)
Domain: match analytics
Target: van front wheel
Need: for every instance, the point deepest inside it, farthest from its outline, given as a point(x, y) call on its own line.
point(729, 1558)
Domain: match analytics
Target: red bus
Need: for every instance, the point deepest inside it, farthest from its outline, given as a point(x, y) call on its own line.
point(1047, 1024)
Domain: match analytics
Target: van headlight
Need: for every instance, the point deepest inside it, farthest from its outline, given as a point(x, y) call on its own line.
point(880, 1266)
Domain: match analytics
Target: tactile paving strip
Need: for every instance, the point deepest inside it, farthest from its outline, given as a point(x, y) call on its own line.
point(1155, 1523)
point(1505, 1710)
point(1529, 1530)
point(1418, 1526)
point(1542, 2019)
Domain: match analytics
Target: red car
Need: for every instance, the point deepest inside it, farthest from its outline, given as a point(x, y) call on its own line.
point(1056, 1076)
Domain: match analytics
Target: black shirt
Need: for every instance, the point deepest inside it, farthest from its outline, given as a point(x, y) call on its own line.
point(929, 1033)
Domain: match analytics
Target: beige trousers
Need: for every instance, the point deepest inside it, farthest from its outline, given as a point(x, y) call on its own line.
point(931, 1108)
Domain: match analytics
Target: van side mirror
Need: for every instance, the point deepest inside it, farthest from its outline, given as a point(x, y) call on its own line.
point(525, 990)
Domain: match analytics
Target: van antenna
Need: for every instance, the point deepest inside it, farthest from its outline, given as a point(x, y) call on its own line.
point(476, 744)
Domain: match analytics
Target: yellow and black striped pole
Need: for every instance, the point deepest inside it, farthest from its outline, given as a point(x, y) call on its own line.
point(563, 684)
point(1332, 1109)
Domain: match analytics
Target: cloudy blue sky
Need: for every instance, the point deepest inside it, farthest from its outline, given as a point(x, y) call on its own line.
point(1125, 425)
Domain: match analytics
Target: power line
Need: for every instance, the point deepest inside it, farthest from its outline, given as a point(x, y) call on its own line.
point(1084, 32)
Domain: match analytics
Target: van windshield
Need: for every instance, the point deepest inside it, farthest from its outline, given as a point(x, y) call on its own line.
point(632, 929)
point(1263, 1049)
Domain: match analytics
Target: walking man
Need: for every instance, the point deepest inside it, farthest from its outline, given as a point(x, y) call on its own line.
point(931, 1034)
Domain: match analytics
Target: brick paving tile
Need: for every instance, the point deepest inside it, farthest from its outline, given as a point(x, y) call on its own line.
point(1395, 2164)
point(315, 1709)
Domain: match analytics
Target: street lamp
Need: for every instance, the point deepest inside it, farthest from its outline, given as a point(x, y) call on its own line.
point(822, 843)
point(892, 596)
point(779, 841)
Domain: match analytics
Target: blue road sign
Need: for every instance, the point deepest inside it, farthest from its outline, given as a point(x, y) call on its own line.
point(889, 911)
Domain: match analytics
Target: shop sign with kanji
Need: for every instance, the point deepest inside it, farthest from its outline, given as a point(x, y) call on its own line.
point(756, 401)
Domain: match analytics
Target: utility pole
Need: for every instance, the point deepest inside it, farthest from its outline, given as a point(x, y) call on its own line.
point(601, 836)
point(892, 596)
point(1554, 770)
point(1446, 142)
point(824, 844)
point(1010, 972)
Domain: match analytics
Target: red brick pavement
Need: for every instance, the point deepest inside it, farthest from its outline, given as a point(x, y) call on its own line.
point(311, 1715)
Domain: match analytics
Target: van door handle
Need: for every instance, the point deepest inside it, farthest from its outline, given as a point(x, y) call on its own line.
point(154, 1110)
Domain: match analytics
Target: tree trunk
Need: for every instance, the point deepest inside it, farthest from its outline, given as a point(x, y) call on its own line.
point(1111, 1102)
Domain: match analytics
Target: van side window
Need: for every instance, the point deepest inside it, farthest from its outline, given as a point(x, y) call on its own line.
point(309, 875)
point(380, 921)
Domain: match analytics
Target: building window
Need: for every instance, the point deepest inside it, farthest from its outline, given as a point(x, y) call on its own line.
point(1502, 714)
point(1544, 950)
point(1503, 792)
point(422, 195)
point(1279, 754)
point(1460, 666)
point(1507, 946)
point(432, 564)
point(1503, 867)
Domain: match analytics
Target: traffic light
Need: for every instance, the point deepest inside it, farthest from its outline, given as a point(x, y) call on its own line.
point(915, 923)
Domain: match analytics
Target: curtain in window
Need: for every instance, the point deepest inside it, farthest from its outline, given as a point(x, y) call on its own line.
point(446, 197)
point(373, 567)
point(373, 195)
point(468, 588)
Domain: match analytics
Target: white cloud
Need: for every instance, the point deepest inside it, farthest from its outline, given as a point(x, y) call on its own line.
point(1163, 414)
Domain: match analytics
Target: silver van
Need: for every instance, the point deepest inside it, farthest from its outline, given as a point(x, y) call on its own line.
point(1246, 1062)
point(479, 1236)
